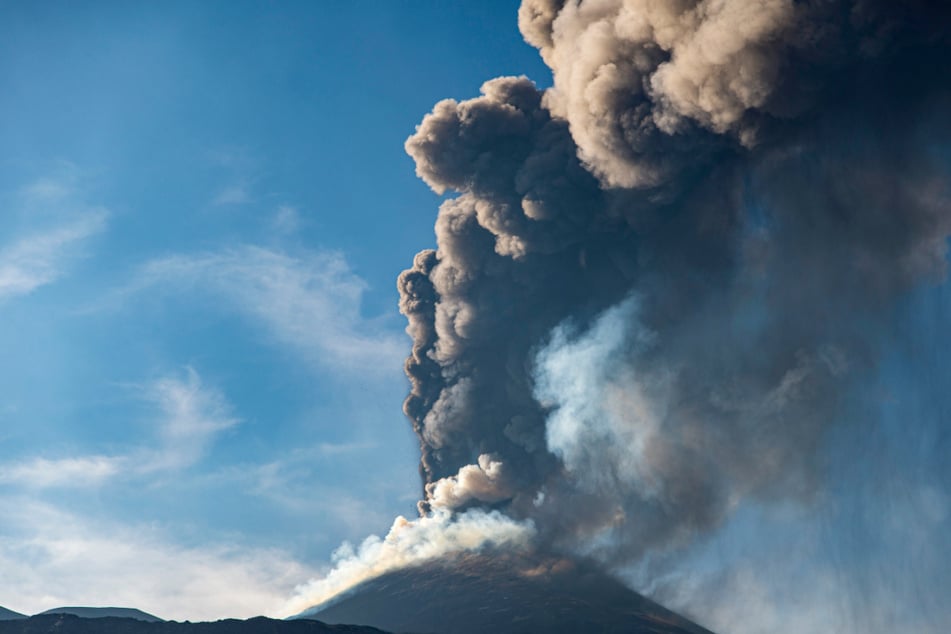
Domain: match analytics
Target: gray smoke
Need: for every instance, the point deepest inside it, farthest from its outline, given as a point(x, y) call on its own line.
point(659, 305)
point(661, 285)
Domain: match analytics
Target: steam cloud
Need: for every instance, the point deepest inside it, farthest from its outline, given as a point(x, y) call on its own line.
point(408, 543)
point(660, 282)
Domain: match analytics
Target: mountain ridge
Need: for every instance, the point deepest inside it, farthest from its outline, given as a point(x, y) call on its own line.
point(72, 624)
point(103, 612)
point(9, 615)
point(473, 594)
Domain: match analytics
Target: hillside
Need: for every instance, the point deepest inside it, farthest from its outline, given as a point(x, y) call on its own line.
point(72, 624)
point(503, 595)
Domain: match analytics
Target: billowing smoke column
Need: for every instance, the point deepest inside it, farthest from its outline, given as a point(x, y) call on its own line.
point(663, 279)
point(661, 276)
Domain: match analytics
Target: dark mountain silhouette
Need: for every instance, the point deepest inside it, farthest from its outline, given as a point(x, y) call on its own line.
point(467, 594)
point(502, 595)
point(72, 624)
point(6, 615)
point(98, 613)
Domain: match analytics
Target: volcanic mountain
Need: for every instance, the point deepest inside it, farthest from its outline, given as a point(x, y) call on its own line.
point(474, 594)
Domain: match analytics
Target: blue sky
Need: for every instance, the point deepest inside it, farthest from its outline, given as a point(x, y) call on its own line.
point(205, 208)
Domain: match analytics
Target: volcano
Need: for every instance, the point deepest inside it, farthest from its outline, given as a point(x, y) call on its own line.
point(474, 594)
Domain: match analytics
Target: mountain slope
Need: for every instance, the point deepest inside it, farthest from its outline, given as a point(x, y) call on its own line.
point(502, 595)
point(98, 613)
point(71, 624)
point(7, 615)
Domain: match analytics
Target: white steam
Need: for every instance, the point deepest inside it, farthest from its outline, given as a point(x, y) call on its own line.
point(410, 543)
point(604, 418)
point(483, 482)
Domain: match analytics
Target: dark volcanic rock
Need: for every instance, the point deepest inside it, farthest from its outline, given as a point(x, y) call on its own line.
point(503, 595)
point(72, 624)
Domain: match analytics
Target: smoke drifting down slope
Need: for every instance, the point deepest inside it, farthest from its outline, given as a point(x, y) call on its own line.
point(502, 593)
point(658, 284)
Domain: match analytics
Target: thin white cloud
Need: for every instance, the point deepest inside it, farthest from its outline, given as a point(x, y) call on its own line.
point(48, 189)
point(238, 168)
point(335, 449)
point(286, 219)
point(310, 303)
point(50, 557)
point(58, 188)
point(302, 494)
point(42, 258)
point(190, 415)
point(292, 483)
point(234, 194)
point(76, 472)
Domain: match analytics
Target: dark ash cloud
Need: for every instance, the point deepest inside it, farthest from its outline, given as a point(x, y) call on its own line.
point(731, 195)
point(659, 285)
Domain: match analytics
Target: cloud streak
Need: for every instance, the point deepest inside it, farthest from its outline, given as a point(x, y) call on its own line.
point(50, 557)
point(41, 258)
point(191, 414)
point(188, 415)
point(310, 304)
point(75, 472)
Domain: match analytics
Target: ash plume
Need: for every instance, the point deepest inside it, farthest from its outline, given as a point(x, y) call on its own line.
point(661, 285)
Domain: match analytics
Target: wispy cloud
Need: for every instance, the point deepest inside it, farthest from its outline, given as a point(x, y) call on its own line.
point(238, 168)
point(297, 490)
point(41, 258)
point(309, 303)
point(188, 416)
point(286, 219)
point(292, 483)
point(60, 186)
point(51, 557)
point(234, 194)
point(76, 472)
point(191, 414)
point(49, 189)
